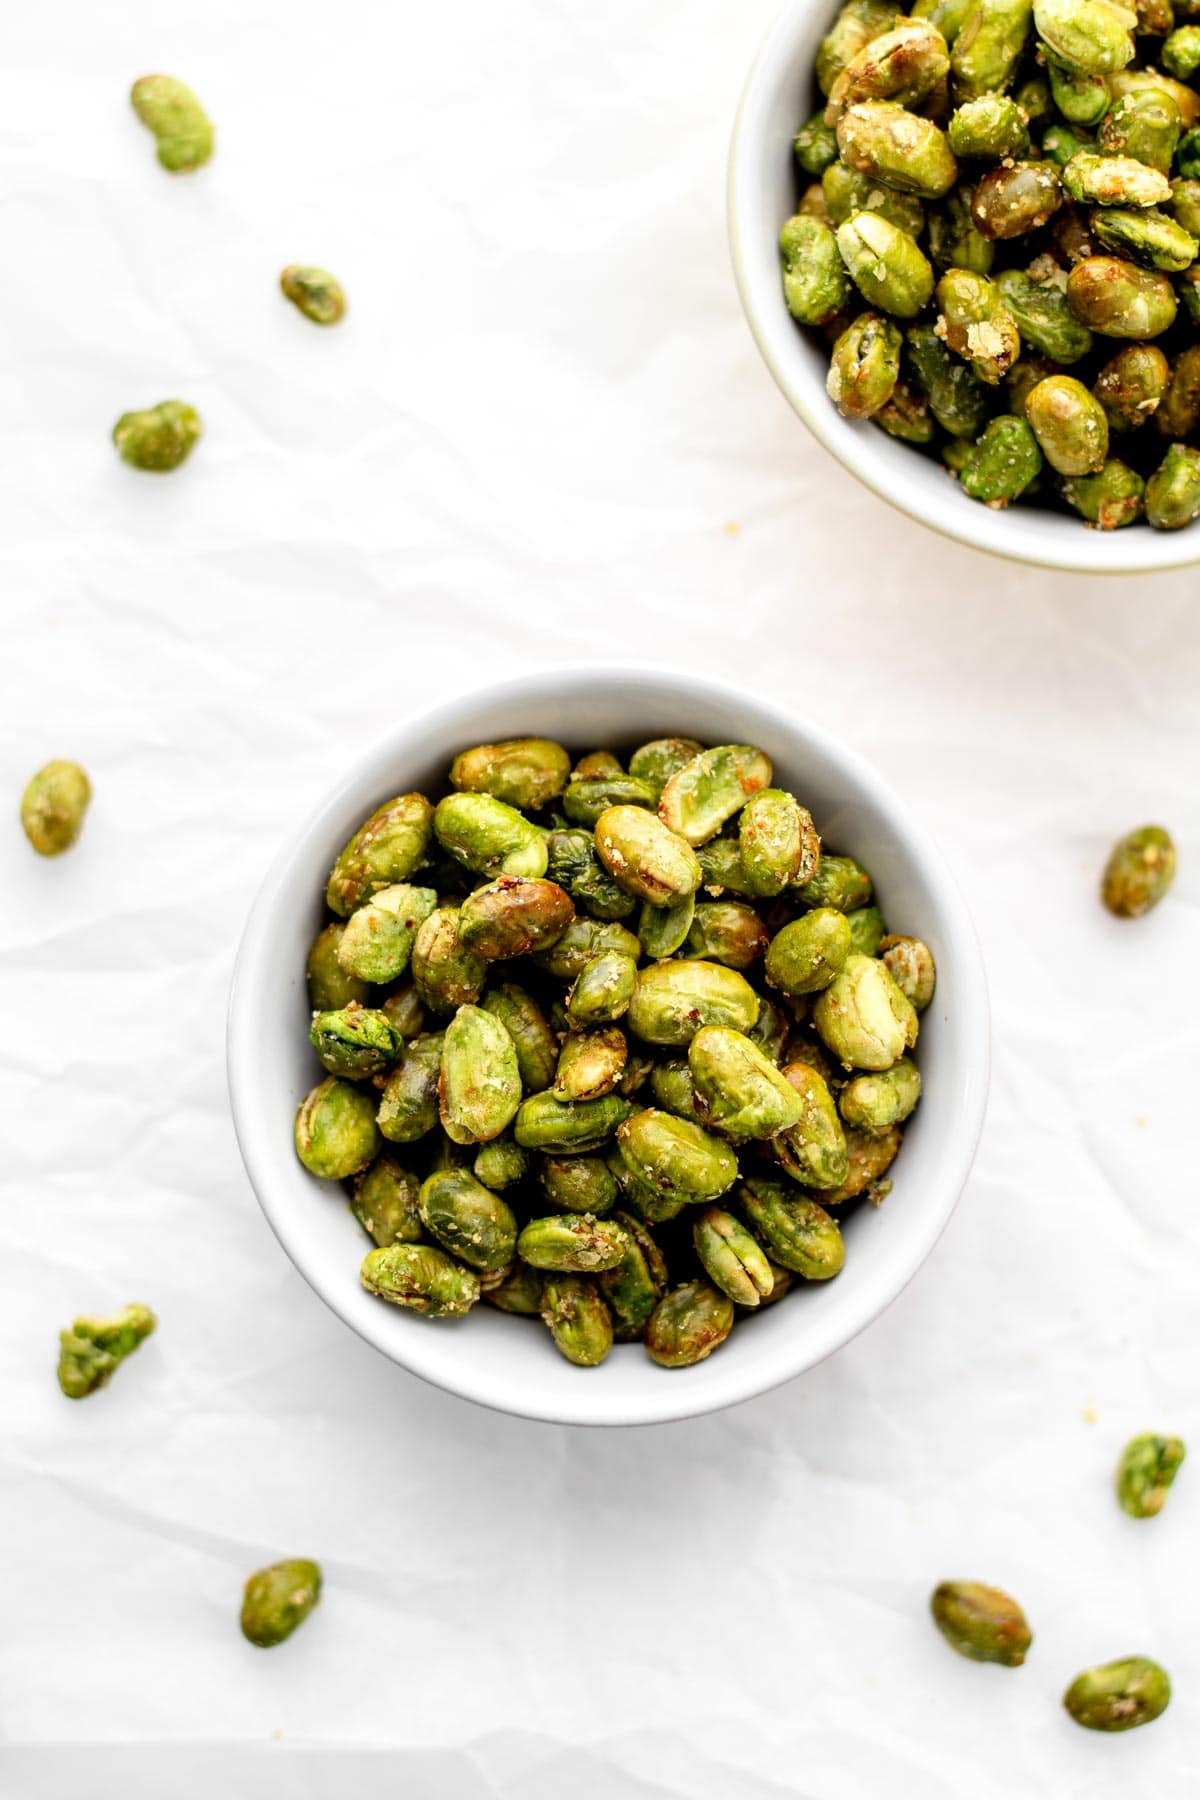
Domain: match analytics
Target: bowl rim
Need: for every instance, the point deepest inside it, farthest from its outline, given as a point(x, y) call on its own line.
point(994, 533)
point(256, 1136)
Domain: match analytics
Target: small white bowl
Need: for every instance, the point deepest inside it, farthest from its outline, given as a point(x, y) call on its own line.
point(763, 189)
point(507, 1362)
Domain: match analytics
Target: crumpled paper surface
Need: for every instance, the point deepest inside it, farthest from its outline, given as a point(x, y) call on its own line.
point(543, 434)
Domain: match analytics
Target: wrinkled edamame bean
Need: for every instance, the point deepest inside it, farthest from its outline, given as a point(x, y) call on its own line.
point(778, 842)
point(904, 64)
point(1181, 52)
point(863, 372)
point(467, 1219)
point(797, 1232)
point(856, 24)
point(635, 1285)
point(876, 1102)
point(815, 283)
point(701, 795)
point(975, 322)
point(1043, 315)
point(813, 1151)
point(379, 935)
point(1139, 872)
point(1131, 385)
point(738, 1089)
point(688, 1324)
point(421, 1278)
point(408, 1106)
point(336, 1135)
point(732, 1259)
point(514, 916)
point(1173, 491)
point(159, 438)
point(354, 1041)
point(982, 1623)
point(1114, 181)
point(957, 397)
point(1002, 463)
point(885, 264)
point(1144, 124)
point(809, 952)
point(479, 1084)
point(183, 133)
point(329, 986)
point(989, 45)
point(568, 1127)
point(676, 1159)
point(991, 126)
point(869, 1155)
point(488, 836)
point(883, 140)
point(1016, 198)
point(672, 1000)
point(92, 1349)
point(590, 1063)
point(1091, 35)
point(1113, 497)
point(847, 191)
point(1117, 299)
point(1178, 413)
point(815, 145)
point(54, 805)
point(314, 292)
point(387, 848)
point(277, 1600)
point(645, 857)
point(1148, 1466)
point(910, 964)
point(862, 1016)
point(572, 1243)
point(385, 1203)
point(446, 972)
point(729, 932)
point(574, 1311)
point(1118, 1696)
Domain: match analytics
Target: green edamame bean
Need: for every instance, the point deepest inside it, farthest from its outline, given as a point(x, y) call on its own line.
point(183, 132)
point(158, 438)
point(1117, 299)
point(1113, 497)
point(53, 807)
point(1002, 464)
point(863, 372)
point(314, 292)
point(1043, 316)
point(1069, 425)
point(815, 283)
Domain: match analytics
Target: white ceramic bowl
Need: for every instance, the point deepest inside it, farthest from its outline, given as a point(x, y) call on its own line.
point(762, 192)
point(505, 1362)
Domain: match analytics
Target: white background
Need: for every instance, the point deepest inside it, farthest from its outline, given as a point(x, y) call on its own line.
point(541, 435)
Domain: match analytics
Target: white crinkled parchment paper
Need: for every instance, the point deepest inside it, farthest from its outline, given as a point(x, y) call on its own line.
point(543, 433)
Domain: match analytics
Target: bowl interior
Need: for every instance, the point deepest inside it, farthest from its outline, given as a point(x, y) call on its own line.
point(506, 1362)
point(763, 190)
